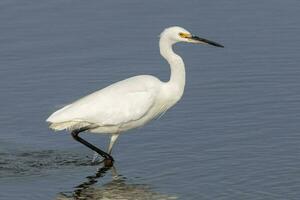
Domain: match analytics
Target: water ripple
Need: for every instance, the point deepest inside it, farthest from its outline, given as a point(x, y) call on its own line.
point(36, 162)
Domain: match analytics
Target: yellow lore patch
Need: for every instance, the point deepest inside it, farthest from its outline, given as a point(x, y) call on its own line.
point(185, 35)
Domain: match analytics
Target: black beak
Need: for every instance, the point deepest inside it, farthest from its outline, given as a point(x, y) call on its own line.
point(196, 38)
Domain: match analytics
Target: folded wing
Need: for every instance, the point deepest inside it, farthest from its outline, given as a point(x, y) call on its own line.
point(114, 105)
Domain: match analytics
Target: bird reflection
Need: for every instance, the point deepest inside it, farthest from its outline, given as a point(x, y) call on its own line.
point(116, 189)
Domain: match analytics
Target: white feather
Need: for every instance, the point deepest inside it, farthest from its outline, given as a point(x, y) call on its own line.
point(127, 100)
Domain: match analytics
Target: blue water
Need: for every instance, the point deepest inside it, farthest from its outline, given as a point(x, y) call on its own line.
point(234, 135)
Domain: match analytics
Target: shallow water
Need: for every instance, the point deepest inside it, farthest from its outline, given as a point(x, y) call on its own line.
point(234, 135)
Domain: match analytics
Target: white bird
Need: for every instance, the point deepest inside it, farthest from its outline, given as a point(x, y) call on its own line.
point(129, 103)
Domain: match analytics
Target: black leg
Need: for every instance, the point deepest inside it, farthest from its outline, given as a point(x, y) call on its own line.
point(108, 159)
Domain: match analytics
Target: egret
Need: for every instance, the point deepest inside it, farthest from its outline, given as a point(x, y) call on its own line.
point(129, 103)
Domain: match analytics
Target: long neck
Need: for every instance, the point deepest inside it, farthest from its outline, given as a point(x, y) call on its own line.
point(177, 77)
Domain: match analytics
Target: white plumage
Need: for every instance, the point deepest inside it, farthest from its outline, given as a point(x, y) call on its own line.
point(109, 109)
point(132, 102)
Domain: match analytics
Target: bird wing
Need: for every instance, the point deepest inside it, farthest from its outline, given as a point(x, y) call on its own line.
point(117, 104)
point(123, 108)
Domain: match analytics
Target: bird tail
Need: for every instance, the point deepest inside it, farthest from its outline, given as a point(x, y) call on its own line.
point(70, 125)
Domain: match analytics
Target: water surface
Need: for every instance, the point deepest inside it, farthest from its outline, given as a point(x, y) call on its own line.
point(234, 135)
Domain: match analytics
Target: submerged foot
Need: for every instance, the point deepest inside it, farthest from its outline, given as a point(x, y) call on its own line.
point(108, 162)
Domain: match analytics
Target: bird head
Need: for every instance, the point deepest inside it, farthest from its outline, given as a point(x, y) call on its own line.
point(176, 34)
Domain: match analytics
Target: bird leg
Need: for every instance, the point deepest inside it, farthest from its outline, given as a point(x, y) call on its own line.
point(108, 159)
point(113, 139)
point(111, 144)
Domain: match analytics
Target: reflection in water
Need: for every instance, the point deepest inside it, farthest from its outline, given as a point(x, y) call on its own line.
point(18, 164)
point(117, 189)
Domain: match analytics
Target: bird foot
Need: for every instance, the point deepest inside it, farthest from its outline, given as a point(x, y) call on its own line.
point(108, 162)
